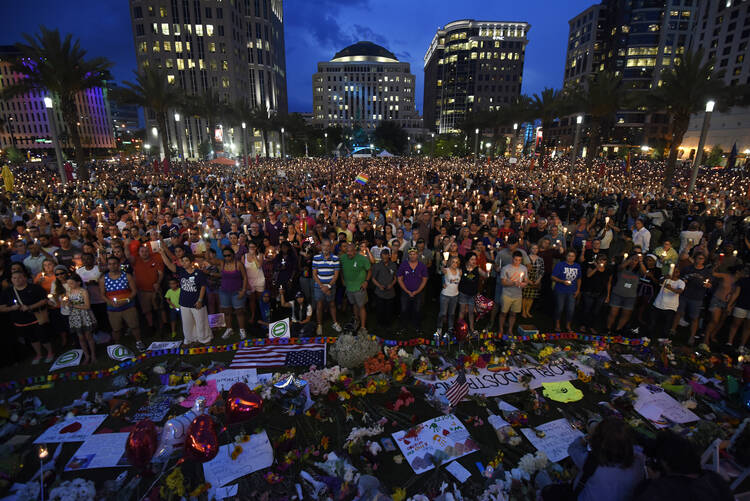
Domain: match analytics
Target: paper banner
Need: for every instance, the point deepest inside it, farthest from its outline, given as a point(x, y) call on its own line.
point(226, 378)
point(119, 352)
point(68, 359)
point(558, 435)
point(75, 429)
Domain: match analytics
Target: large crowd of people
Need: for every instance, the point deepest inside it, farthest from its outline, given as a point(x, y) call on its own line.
point(161, 253)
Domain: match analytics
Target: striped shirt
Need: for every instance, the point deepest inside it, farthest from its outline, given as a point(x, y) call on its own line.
point(326, 268)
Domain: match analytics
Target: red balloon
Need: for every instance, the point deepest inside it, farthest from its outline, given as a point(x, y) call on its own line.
point(242, 404)
point(462, 330)
point(141, 443)
point(201, 441)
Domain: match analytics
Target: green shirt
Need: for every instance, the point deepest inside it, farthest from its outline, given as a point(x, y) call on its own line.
point(354, 270)
point(174, 296)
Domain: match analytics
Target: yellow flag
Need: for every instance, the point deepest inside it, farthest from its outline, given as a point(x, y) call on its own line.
point(7, 178)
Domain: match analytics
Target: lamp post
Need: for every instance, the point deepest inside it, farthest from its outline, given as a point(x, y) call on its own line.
point(155, 133)
point(244, 145)
point(180, 154)
point(10, 130)
point(489, 150)
point(513, 140)
point(283, 146)
point(476, 146)
point(325, 153)
point(372, 150)
point(53, 129)
point(574, 151)
point(432, 148)
point(701, 142)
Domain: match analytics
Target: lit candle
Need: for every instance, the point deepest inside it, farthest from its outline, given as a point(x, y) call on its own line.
point(445, 256)
point(625, 256)
point(489, 267)
point(734, 253)
point(671, 269)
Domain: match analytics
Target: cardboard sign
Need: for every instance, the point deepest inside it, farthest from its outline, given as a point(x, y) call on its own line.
point(660, 408)
point(105, 450)
point(226, 378)
point(280, 329)
point(68, 359)
point(119, 352)
point(216, 320)
point(257, 453)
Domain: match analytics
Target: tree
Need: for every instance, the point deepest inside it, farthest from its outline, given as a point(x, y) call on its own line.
point(714, 156)
point(58, 66)
point(204, 149)
point(210, 107)
point(152, 91)
point(685, 88)
point(390, 136)
point(547, 106)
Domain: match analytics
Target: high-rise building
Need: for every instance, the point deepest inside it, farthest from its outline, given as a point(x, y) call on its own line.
point(233, 48)
point(125, 117)
point(363, 85)
point(26, 126)
point(723, 32)
point(472, 66)
point(586, 47)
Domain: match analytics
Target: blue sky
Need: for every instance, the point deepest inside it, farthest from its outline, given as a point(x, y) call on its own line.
point(316, 29)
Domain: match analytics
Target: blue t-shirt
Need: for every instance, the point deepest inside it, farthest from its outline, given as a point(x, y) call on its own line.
point(565, 271)
point(190, 286)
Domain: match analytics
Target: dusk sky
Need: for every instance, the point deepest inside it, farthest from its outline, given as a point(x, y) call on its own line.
point(316, 29)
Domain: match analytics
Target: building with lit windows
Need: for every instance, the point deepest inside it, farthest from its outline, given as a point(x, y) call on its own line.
point(363, 85)
point(26, 126)
point(472, 66)
point(723, 32)
point(235, 48)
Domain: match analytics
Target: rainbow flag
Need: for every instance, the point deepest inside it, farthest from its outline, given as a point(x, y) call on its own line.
point(362, 179)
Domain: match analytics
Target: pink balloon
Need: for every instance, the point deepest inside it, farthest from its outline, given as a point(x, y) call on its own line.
point(242, 404)
point(141, 444)
point(461, 330)
point(201, 441)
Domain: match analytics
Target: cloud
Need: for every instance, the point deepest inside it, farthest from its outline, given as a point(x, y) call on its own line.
point(328, 33)
point(366, 33)
point(403, 55)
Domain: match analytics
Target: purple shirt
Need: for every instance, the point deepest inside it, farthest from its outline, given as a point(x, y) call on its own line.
point(273, 230)
point(412, 277)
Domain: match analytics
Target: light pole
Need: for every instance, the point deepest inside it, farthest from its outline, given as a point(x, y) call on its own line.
point(244, 145)
point(326, 151)
point(701, 142)
point(513, 140)
point(574, 151)
point(53, 129)
point(283, 146)
point(155, 133)
point(489, 150)
point(372, 150)
point(180, 154)
point(432, 148)
point(476, 146)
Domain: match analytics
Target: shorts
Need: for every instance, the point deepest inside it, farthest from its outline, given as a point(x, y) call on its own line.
point(511, 304)
point(318, 295)
point(738, 312)
point(174, 314)
point(256, 285)
point(230, 300)
point(465, 299)
point(119, 319)
point(626, 303)
point(690, 308)
point(149, 301)
point(717, 304)
point(357, 298)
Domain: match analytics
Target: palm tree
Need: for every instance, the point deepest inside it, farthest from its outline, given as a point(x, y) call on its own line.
point(685, 88)
point(547, 106)
point(152, 91)
point(210, 107)
point(51, 64)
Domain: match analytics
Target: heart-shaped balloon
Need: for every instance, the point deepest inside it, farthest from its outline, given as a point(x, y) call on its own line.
point(242, 404)
point(141, 443)
point(201, 440)
point(461, 331)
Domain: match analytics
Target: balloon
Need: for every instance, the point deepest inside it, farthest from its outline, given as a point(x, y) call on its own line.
point(242, 404)
point(173, 434)
point(483, 305)
point(461, 331)
point(141, 443)
point(201, 441)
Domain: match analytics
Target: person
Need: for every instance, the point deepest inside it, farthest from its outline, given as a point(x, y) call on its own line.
point(119, 290)
point(256, 281)
point(412, 278)
point(675, 473)
point(301, 318)
point(266, 313)
point(667, 256)
point(666, 303)
point(326, 267)
point(27, 304)
point(232, 291)
point(697, 282)
point(285, 268)
point(740, 308)
point(596, 288)
point(90, 274)
point(148, 272)
point(515, 278)
point(502, 258)
point(536, 272)
point(449, 294)
point(193, 311)
point(173, 301)
point(567, 279)
point(468, 287)
point(81, 319)
point(623, 295)
point(690, 237)
point(610, 465)
point(384, 279)
point(356, 275)
point(719, 304)
point(641, 235)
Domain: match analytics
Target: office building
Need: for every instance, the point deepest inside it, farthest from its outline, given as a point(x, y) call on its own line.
point(363, 85)
point(472, 66)
point(125, 117)
point(25, 117)
point(723, 32)
point(234, 48)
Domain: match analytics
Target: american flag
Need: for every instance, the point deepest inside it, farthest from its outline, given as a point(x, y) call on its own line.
point(278, 355)
point(458, 390)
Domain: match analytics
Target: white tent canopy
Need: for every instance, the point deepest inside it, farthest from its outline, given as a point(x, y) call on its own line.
point(385, 153)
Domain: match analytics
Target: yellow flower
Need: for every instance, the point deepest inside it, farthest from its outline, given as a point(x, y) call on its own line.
point(236, 452)
point(399, 494)
point(176, 482)
point(343, 395)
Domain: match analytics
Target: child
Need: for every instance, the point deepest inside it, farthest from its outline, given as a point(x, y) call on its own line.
point(173, 299)
point(81, 318)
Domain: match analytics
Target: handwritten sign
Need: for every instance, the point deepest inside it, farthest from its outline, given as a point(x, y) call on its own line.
point(256, 454)
point(558, 435)
point(75, 429)
point(445, 434)
point(226, 378)
point(653, 403)
point(156, 410)
point(492, 384)
point(105, 450)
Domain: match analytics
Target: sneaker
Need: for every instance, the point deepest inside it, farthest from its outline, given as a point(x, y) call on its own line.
point(319, 330)
point(243, 334)
point(50, 358)
point(140, 346)
point(336, 327)
point(227, 333)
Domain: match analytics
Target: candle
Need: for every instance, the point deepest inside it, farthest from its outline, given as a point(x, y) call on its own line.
point(489, 267)
point(734, 253)
point(606, 220)
point(625, 256)
point(521, 277)
point(671, 269)
point(445, 256)
point(721, 257)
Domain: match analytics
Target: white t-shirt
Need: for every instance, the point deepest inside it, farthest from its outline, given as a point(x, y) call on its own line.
point(666, 299)
point(451, 280)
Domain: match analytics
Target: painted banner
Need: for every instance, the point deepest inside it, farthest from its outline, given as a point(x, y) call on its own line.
point(493, 384)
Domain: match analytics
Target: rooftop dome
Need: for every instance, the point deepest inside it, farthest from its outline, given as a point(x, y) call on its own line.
point(365, 51)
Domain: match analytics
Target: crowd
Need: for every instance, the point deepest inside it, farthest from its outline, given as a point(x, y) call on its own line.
point(162, 253)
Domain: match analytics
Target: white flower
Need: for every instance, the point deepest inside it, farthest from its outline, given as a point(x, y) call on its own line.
point(514, 441)
point(527, 464)
point(540, 460)
point(374, 448)
point(518, 474)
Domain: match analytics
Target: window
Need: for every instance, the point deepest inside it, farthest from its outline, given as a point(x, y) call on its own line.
point(164, 28)
point(209, 30)
point(167, 46)
point(208, 12)
point(219, 13)
point(170, 79)
point(180, 64)
point(225, 82)
point(137, 13)
point(178, 46)
point(162, 12)
point(221, 30)
point(212, 47)
point(155, 47)
point(169, 64)
point(225, 65)
point(142, 48)
point(139, 30)
point(199, 30)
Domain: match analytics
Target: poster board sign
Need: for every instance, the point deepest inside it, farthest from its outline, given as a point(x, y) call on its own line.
point(75, 429)
point(105, 450)
point(280, 329)
point(558, 435)
point(70, 358)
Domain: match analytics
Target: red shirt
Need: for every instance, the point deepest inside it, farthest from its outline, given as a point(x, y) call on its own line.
point(146, 273)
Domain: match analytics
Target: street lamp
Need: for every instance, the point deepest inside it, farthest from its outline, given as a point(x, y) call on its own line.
point(372, 150)
point(244, 145)
point(326, 136)
point(574, 152)
point(432, 148)
point(177, 133)
point(476, 146)
point(701, 142)
point(283, 146)
point(513, 140)
point(53, 130)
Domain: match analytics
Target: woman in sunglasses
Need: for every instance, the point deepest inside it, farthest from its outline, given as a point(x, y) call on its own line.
point(232, 291)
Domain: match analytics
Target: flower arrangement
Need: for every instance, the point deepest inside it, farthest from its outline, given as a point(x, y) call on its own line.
point(352, 351)
point(74, 490)
point(320, 380)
